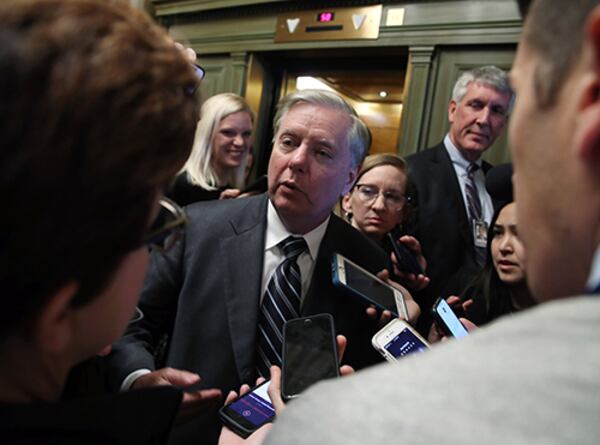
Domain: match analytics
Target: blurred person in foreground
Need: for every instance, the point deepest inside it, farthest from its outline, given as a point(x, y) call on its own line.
point(97, 113)
point(518, 379)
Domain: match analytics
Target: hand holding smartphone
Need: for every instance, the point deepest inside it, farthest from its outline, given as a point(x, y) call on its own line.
point(407, 260)
point(249, 412)
point(309, 353)
point(446, 319)
point(364, 285)
point(397, 339)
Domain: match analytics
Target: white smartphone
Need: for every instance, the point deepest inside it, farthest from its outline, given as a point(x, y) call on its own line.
point(366, 286)
point(398, 339)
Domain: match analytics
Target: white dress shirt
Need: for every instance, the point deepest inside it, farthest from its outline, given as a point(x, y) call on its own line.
point(276, 232)
point(460, 165)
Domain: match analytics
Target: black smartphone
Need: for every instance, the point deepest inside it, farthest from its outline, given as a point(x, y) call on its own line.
point(446, 319)
point(249, 412)
point(309, 353)
point(407, 260)
point(362, 284)
point(259, 185)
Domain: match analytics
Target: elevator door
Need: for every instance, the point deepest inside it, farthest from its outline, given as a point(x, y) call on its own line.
point(371, 80)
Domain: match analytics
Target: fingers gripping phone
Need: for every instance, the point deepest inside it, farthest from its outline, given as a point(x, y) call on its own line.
point(309, 353)
point(249, 412)
point(364, 285)
point(447, 320)
point(398, 339)
point(407, 260)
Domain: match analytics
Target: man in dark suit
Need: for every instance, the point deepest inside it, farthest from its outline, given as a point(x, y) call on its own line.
point(453, 207)
point(207, 294)
point(84, 154)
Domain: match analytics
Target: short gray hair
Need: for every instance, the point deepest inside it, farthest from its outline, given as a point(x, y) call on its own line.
point(489, 75)
point(359, 137)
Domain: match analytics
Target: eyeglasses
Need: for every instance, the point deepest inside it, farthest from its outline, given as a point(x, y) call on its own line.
point(200, 72)
point(392, 200)
point(167, 227)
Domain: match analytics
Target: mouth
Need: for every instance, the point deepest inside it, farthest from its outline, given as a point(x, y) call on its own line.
point(290, 187)
point(374, 220)
point(478, 135)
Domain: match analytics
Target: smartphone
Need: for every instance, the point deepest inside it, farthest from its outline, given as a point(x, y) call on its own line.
point(309, 353)
point(260, 185)
point(249, 412)
point(364, 285)
point(447, 320)
point(398, 339)
point(407, 260)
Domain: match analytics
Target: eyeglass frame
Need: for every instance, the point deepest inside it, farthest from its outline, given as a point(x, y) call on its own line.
point(200, 74)
point(405, 198)
point(171, 231)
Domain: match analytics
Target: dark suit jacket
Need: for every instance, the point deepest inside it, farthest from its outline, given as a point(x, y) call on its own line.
point(205, 293)
point(441, 224)
point(136, 417)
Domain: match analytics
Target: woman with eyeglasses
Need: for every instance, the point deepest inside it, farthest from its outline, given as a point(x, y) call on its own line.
point(216, 167)
point(378, 204)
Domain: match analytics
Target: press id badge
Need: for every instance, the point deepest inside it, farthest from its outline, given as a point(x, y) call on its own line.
point(480, 229)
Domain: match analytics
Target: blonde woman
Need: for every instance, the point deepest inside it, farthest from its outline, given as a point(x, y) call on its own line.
point(216, 167)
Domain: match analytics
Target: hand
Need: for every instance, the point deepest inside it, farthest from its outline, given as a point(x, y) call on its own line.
point(229, 194)
point(436, 334)
point(228, 437)
point(414, 282)
point(274, 389)
point(413, 308)
point(189, 53)
point(194, 402)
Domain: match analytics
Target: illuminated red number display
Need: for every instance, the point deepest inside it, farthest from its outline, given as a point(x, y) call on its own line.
point(325, 17)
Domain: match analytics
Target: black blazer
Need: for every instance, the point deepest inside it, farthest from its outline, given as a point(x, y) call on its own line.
point(137, 417)
point(441, 224)
point(205, 294)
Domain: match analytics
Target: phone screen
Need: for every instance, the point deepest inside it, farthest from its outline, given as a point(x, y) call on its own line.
point(405, 343)
point(372, 289)
point(449, 318)
point(250, 411)
point(309, 353)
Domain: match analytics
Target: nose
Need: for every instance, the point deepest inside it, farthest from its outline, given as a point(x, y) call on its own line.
point(299, 159)
point(483, 118)
point(379, 202)
point(506, 244)
point(238, 140)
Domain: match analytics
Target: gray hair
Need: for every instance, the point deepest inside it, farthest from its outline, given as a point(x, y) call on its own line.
point(359, 137)
point(198, 166)
point(490, 76)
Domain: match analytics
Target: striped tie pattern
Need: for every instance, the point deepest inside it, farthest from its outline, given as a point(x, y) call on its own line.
point(474, 206)
point(281, 302)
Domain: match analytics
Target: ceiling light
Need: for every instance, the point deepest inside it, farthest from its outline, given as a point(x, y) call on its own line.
point(383, 94)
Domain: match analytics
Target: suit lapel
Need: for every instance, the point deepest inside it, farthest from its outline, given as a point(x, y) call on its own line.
point(242, 261)
point(447, 176)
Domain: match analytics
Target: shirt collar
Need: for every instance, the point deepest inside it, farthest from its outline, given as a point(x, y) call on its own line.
point(277, 232)
point(456, 156)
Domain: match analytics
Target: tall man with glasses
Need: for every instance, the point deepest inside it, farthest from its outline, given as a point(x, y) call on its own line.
point(453, 209)
point(96, 116)
point(226, 288)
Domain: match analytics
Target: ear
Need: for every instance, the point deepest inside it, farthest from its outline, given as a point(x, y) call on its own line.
point(350, 182)
point(452, 106)
point(588, 126)
point(346, 202)
point(52, 330)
